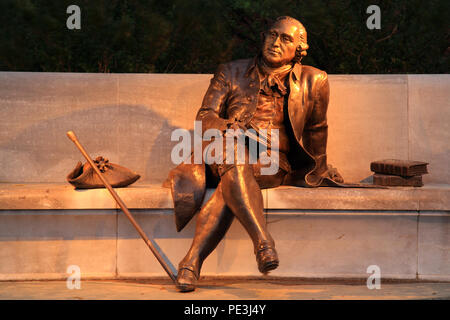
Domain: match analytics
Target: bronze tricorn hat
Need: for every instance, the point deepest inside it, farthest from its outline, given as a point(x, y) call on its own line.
point(84, 176)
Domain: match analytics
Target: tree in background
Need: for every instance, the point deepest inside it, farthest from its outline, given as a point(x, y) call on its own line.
point(181, 36)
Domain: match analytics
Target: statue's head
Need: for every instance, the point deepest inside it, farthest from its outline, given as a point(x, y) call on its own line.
point(284, 42)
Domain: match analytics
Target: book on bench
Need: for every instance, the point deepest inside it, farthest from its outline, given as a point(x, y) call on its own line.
point(404, 168)
point(391, 180)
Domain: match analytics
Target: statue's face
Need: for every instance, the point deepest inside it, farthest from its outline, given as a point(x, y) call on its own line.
point(280, 43)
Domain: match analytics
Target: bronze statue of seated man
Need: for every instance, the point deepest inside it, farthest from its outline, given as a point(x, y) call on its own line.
point(271, 91)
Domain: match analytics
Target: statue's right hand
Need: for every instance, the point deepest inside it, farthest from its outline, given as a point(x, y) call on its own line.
point(235, 124)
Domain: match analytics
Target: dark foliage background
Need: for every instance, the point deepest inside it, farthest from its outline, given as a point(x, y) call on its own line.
point(193, 36)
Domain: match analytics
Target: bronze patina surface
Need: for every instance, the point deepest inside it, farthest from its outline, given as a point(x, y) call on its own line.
point(271, 91)
point(83, 176)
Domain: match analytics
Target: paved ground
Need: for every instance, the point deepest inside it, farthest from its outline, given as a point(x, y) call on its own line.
point(221, 290)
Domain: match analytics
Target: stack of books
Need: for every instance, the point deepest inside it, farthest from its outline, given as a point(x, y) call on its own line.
point(394, 172)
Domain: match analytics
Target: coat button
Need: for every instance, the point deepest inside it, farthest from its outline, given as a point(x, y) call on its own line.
point(249, 98)
point(252, 84)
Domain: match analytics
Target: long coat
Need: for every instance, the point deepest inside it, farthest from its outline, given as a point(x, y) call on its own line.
point(233, 94)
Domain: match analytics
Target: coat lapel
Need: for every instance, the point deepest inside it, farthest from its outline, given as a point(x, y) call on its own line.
point(296, 102)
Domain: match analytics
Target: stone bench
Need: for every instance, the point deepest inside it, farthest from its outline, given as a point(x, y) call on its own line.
point(320, 233)
point(46, 225)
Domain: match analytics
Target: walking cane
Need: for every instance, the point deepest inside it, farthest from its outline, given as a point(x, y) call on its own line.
point(122, 206)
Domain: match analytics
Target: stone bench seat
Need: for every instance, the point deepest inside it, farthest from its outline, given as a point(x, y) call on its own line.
point(53, 196)
point(320, 233)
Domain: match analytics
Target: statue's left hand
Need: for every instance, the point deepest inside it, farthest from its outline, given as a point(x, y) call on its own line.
point(333, 174)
